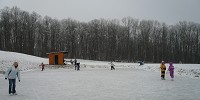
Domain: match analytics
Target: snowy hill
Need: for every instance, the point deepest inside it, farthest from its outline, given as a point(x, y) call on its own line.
point(26, 62)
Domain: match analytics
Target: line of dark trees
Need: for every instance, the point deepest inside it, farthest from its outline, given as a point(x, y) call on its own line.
point(127, 39)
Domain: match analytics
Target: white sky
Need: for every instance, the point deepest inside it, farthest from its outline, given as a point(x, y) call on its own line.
point(169, 11)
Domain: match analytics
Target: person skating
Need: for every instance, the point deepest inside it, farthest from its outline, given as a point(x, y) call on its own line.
point(42, 66)
point(162, 68)
point(11, 74)
point(78, 66)
point(112, 66)
point(171, 70)
point(75, 64)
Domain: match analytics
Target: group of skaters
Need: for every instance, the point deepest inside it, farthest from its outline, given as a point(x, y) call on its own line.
point(13, 72)
point(76, 64)
point(170, 69)
point(162, 68)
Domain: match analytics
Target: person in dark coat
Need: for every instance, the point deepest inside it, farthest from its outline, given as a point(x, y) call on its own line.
point(78, 66)
point(141, 62)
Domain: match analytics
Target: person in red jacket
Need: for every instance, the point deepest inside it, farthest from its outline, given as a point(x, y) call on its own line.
point(42, 66)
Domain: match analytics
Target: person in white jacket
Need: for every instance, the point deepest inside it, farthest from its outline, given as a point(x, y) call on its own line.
point(11, 74)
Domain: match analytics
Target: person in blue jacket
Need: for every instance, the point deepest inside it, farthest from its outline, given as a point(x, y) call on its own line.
point(11, 74)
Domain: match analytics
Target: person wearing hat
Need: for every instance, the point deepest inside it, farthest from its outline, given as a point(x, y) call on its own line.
point(11, 74)
point(171, 70)
point(162, 68)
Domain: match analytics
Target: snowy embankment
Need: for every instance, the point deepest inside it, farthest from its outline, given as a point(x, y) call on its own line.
point(26, 62)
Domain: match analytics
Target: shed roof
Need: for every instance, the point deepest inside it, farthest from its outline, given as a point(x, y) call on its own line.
point(58, 52)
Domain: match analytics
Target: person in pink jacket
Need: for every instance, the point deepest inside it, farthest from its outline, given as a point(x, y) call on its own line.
point(171, 70)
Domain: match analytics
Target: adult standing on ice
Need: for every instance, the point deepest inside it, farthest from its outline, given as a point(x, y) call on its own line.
point(162, 68)
point(171, 70)
point(11, 74)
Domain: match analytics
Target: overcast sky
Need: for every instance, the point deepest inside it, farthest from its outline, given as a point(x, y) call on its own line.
point(169, 11)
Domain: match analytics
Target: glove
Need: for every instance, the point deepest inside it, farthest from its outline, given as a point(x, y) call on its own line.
point(5, 78)
point(19, 80)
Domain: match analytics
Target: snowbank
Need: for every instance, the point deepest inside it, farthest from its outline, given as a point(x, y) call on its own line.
point(26, 62)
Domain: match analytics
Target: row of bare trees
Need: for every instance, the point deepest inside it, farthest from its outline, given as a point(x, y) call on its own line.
point(128, 39)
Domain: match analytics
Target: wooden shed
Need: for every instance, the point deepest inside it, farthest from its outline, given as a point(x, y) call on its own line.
point(56, 58)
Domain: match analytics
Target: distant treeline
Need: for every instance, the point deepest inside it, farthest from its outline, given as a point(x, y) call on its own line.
point(127, 39)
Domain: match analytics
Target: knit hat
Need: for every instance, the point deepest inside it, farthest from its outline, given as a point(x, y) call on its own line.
point(15, 64)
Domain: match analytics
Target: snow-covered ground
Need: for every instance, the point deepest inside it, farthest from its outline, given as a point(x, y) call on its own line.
point(25, 62)
point(95, 81)
point(189, 70)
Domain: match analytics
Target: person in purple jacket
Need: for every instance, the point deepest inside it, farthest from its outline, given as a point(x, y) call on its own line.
point(171, 70)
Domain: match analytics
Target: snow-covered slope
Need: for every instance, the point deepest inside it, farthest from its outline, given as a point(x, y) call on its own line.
point(26, 62)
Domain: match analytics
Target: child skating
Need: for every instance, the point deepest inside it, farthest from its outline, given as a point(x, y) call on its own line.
point(42, 66)
point(112, 66)
point(171, 70)
point(162, 68)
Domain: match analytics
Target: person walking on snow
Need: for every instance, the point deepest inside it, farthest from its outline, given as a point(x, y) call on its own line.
point(112, 66)
point(162, 68)
point(42, 66)
point(171, 70)
point(11, 74)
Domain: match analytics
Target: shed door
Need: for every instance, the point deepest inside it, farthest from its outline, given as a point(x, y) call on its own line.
point(56, 59)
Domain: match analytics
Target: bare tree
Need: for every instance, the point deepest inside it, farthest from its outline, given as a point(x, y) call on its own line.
point(127, 39)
